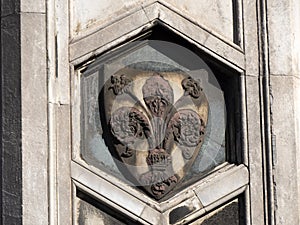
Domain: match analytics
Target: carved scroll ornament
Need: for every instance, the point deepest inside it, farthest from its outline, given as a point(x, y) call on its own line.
point(157, 121)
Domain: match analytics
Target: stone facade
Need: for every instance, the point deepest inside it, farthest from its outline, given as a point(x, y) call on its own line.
point(46, 46)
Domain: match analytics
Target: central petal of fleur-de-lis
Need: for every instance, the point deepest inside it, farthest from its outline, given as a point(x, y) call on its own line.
point(154, 131)
point(158, 95)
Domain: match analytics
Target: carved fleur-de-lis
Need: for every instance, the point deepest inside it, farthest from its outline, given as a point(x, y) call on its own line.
point(160, 124)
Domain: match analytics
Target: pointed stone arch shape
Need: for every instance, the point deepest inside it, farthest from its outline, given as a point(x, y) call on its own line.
point(83, 48)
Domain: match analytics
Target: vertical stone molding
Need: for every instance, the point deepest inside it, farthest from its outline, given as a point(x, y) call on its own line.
point(10, 115)
point(24, 123)
point(284, 63)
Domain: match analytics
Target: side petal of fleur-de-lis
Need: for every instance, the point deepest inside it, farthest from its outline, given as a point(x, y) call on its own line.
point(129, 125)
point(186, 128)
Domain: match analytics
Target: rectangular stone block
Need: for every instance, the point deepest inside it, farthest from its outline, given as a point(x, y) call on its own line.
point(34, 119)
point(285, 129)
point(255, 160)
point(33, 6)
point(250, 38)
point(283, 34)
point(63, 171)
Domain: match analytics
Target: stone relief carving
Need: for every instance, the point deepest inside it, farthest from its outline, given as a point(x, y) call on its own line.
point(120, 84)
point(191, 87)
point(158, 94)
point(157, 124)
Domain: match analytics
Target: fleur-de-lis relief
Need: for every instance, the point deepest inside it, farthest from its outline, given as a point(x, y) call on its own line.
point(165, 127)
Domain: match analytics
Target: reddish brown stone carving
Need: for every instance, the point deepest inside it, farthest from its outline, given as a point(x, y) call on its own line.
point(128, 124)
point(191, 87)
point(152, 131)
point(120, 84)
point(188, 128)
point(158, 95)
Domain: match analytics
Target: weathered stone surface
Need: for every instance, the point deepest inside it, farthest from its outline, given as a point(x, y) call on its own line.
point(27, 112)
point(284, 33)
point(108, 34)
point(33, 6)
point(10, 114)
point(182, 210)
point(251, 47)
point(228, 214)
point(91, 212)
point(184, 27)
point(234, 179)
point(34, 119)
point(178, 213)
point(107, 189)
point(139, 20)
point(215, 15)
point(297, 133)
point(61, 50)
point(64, 187)
point(9, 7)
point(255, 160)
point(285, 128)
point(87, 13)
